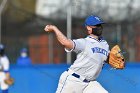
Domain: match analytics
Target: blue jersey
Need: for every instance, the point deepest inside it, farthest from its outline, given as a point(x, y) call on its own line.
point(23, 61)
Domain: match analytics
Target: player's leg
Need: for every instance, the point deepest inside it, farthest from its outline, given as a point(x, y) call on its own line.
point(4, 86)
point(74, 85)
point(70, 84)
point(61, 82)
point(94, 87)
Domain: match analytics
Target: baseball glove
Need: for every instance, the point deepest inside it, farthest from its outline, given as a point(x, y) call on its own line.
point(9, 81)
point(116, 59)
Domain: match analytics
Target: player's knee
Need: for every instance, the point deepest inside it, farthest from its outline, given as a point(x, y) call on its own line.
point(105, 91)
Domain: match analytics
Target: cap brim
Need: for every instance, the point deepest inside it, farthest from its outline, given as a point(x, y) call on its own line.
point(95, 24)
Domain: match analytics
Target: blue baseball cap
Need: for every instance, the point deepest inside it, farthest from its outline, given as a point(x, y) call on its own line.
point(93, 20)
point(23, 50)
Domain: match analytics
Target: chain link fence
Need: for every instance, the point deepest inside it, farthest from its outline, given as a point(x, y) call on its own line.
point(22, 27)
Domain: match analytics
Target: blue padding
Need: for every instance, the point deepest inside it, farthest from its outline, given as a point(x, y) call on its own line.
point(44, 78)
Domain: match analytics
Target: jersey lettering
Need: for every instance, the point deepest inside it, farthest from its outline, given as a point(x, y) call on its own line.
point(99, 50)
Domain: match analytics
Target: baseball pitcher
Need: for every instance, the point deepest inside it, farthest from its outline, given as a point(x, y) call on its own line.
point(91, 51)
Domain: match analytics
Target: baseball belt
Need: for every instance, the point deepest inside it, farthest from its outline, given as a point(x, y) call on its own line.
point(77, 76)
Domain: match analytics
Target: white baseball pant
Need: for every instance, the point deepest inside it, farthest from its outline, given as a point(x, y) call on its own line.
point(71, 84)
point(2, 83)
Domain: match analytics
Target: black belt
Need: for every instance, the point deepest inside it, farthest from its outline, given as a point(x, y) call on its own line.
point(78, 76)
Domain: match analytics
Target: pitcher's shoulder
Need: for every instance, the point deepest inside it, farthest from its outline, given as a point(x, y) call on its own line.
point(104, 41)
